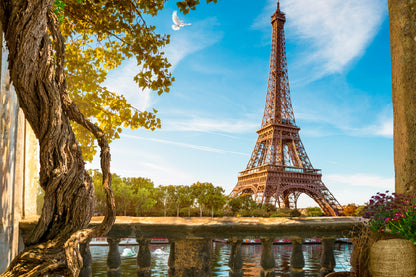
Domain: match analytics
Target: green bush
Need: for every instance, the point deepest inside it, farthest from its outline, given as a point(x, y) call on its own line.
point(229, 212)
point(315, 211)
point(279, 215)
point(245, 213)
point(219, 213)
point(269, 208)
point(259, 213)
point(295, 213)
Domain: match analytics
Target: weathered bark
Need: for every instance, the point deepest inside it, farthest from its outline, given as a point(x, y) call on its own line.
point(402, 16)
point(38, 77)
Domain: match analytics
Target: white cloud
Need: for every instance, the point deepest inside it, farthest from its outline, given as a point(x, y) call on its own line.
point(211, 125)
point(262, 21)
point(383, 128)
point(382, 125)
point(386, 128)
point(351, 188)
point(359, 180)
point(121, 81)
point(183, 43)
point(335, 32)
point(200, 35)
point(160, 174)
point(186, 145)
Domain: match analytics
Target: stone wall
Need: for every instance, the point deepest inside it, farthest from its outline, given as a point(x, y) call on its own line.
point(18, 166)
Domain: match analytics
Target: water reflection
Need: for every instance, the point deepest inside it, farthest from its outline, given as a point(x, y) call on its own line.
point(220, 255)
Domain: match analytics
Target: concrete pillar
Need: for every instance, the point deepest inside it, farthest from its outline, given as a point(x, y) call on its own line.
point(267, 260)
point(236, 260)
point(10, 191)
point(144, 258)
point(402, 17)
point(190, 257)
point(30, 170)
point(18, 166)
point(86, 270)
point(327, 256)
point(113, 258)
point(297, 261)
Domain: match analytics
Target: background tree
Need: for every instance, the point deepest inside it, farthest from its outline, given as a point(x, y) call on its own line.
point(247, 204)
point(139, 182)
point(235, 204)
point(142, 197)
point(143, 201)
point(214, 198)
point(349, 210)
point(185, 197)
point(37, 45)
point(162, 196)
point(173, 200)
point(198, 191)
point(133, 195)
point(358, 210)
point(99, 194)
point(123, 195)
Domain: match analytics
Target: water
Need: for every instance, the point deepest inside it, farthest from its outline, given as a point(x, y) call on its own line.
point(220, 254)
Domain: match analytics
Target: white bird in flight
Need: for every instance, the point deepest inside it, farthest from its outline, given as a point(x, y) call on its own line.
point(178, 23)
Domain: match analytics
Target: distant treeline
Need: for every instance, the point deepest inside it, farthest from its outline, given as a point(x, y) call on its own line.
point(137, 196)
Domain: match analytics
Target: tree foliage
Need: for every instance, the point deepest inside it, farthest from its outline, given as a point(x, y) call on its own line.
point(58, 68)
point(349, 210)
point(133, 196)
point(99, 36)
point(139, 197)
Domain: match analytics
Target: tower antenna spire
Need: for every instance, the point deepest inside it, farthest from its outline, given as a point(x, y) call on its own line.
point(278, 6)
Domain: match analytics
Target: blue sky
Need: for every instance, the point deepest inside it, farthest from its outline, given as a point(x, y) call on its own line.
point(340, 80)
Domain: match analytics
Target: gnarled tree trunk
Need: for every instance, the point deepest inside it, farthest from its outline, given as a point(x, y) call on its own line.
point(36, 70)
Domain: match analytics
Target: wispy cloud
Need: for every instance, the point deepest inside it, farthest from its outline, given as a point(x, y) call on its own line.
point(359, 180)
point(121, 81)
point(335, 32)
point(186, 145)
point(160, 173)
point(183, 43)
point(355, 188)
point(381, 126)
point(199, 36)
point(211, 125)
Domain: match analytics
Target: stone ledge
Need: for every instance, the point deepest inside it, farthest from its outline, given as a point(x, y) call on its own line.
point(224, 227)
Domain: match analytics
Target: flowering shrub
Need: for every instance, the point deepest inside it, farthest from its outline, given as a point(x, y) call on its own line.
point(394, 214)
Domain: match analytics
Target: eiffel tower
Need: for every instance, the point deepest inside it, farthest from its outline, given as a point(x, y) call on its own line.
point(279, 169)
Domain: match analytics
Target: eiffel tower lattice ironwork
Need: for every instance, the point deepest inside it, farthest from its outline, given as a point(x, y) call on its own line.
point(279, 169)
